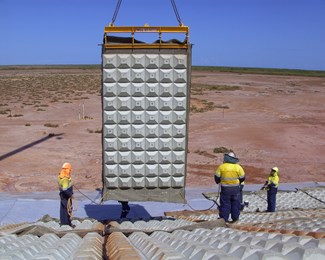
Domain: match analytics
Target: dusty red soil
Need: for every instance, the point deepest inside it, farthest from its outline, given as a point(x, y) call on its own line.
point(269, 121)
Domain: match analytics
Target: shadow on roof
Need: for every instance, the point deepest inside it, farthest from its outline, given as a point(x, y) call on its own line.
point(113, 212)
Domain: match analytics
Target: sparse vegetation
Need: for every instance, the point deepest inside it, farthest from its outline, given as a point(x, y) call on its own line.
point(222, 150)
point(200, 106)
point(265, 71)
point(199, 89)
point(221, 106)
point(51, 125)
point(16, 115)
point(50, 87)
point(198, 151)
point(97, 131)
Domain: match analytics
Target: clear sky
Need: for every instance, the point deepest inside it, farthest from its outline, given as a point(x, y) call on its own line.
point(240, 33)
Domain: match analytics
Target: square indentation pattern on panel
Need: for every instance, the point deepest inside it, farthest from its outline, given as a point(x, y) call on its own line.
point(144, 121)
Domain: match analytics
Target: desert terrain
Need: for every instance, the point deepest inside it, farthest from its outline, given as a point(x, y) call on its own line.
point(51, 116)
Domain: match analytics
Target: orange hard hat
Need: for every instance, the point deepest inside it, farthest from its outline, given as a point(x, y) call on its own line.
point(66, 169)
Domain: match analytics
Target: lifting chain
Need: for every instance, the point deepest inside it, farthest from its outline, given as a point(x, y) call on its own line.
point(172, 2)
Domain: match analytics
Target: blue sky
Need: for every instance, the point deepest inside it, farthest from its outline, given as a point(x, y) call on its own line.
point(241, 33)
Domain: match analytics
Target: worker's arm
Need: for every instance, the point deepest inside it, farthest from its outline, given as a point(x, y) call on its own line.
point(217, 176)
point(241, 174)
point(265, 185)
point(241, 179)
point(217, 179)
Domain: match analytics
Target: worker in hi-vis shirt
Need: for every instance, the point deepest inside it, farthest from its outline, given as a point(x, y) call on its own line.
point(230, 175)
point(66, 192)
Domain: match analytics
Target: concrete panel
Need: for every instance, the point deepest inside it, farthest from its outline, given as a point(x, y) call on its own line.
point(165, 131)
point(123, 89)
point(145, 95)
point(138, 131)
point(138, 75)
point(109, 61)
point(166, 89)
point(110, 89)
point(110, 131)
point(138, 170)
point(138, 89)
point(109, 75)
point(138, 118)
point(152, 61)
point(138, 61)
point(123, 131)
point(109, 117)
point(123, 61)
point(152, 131)
point(138, 103)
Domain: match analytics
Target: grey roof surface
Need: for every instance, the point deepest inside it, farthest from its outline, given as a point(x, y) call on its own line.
point(295, 231)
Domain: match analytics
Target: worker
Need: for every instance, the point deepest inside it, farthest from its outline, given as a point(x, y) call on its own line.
point(230, 175)
point(271, 185)
point(66, 192)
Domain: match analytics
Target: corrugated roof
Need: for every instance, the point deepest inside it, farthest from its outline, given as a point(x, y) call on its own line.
point(50, 246)
point(295, 231)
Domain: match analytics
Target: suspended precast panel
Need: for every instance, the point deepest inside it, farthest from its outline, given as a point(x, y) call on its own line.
point(145, 104)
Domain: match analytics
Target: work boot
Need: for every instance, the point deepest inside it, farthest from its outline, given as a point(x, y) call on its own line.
point(232, 221)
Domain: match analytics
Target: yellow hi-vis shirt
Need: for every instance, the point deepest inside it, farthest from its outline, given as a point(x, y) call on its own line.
point(64, 183)
point(273, 180)
point(230, 173)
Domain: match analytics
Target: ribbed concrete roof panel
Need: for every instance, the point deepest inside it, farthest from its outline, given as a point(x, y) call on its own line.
point(223, 242)
point(284, 234)
point(50, 246)
point(300, 199)
point(152, 225)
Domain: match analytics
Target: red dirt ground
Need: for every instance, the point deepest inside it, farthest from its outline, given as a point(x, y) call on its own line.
point(270, 121)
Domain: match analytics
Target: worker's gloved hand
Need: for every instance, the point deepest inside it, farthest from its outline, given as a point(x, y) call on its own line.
point(263, 188)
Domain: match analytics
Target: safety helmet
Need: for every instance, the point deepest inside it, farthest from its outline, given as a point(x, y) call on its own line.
point(66, 166)
point(275, 169)
point(232, 154)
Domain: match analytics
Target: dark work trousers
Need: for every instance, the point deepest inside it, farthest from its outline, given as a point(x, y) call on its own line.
point(64, 216)
point(271, 199)
point(229, 203)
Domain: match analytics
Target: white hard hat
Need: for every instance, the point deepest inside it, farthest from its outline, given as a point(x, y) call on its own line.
point(276, 169)
point(232, 154)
